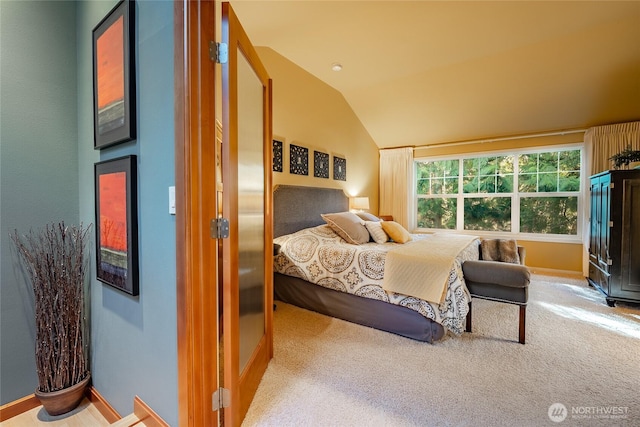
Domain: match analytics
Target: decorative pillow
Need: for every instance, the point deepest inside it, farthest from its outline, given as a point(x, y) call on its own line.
point(349, 226)
point(377, 233)
point(504, 250)
point(367, 216)
point(396, 232)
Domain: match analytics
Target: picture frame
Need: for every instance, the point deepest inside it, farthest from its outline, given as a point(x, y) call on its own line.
point(339, 168)
point(277, 155)
point(298, 160)
point(320, 164)
point(114, 83)
point(116, 210)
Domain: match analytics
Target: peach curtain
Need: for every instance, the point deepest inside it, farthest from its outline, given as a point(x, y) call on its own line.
point(396, 169)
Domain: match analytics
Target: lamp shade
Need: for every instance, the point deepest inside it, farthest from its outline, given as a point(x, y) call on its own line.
point(360, 203)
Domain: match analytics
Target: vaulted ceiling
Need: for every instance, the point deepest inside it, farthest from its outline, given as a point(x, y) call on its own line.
point(425, 72)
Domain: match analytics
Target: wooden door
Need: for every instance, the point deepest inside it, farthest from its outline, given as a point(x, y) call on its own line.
point(605, 231)
point(195, 147)
point(246, 203)
point(594, 238)
point(630, 242)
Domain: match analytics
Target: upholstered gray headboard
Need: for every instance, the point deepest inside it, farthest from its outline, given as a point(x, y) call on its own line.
point(296, 207)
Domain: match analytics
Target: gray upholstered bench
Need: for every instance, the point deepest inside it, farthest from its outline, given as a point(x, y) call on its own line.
point(499, 281)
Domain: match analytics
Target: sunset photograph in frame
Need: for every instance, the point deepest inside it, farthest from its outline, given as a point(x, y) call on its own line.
point(116, 223)
point(114, 112)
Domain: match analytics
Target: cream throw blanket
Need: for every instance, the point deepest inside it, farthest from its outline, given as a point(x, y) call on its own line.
point(421, 268)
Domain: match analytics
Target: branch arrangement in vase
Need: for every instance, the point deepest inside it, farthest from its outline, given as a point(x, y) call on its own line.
point(54, 259)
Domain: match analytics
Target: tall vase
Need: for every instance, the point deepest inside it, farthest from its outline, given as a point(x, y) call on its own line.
point(65, 400)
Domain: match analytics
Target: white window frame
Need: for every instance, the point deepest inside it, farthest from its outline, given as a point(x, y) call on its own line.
point(515, 196)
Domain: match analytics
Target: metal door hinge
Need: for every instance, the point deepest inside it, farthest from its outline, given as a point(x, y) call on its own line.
point(221, 399)
point(612, 185)
point(219, 228)
point(218, 52)
point(610, 224)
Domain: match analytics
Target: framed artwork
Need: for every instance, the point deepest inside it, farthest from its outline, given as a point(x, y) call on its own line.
point(117, 223)
point(277, 156)
point(299, 160)
point(339, 168)
point(320, 164)
point(114, 88)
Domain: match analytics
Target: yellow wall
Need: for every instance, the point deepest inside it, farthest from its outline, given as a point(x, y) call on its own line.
point(541, 255)
point(565, 257)
point(309, 113)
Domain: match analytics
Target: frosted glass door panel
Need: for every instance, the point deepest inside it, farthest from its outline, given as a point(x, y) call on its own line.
point(250, 209)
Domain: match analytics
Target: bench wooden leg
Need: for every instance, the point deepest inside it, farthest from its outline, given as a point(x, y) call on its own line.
point(468, 328)
point(523, 315)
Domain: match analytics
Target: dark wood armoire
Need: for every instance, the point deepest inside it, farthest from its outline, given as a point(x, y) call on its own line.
point(614, 246)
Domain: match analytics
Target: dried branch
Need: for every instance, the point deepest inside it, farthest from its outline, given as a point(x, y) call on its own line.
point(55, 262)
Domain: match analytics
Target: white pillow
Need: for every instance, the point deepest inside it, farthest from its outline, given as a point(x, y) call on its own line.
point(376, 231)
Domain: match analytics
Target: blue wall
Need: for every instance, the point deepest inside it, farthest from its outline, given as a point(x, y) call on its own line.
point(134, 339)
point(47, 160)
point(38, 161)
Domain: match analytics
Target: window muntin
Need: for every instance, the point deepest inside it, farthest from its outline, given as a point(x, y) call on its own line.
point(437, 177)
point(533, 192)
point(488, 174)
point(549, 171)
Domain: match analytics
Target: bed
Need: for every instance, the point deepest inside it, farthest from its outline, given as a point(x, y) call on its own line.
point(297, 218)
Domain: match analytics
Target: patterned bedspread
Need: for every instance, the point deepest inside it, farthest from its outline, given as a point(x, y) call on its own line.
point(318, 255)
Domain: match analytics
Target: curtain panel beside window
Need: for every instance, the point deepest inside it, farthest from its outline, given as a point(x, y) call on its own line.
point(396, 169)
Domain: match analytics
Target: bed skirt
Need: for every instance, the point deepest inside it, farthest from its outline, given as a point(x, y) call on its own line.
point(363, 311)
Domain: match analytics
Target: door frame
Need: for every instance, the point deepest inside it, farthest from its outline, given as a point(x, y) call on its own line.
point(196, 259)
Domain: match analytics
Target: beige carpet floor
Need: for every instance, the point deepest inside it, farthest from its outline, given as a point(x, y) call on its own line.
point(579, 353)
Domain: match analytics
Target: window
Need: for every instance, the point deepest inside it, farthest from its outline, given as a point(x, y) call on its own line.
point(535, 192)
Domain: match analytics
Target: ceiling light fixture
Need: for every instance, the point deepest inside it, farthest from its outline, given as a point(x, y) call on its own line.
point(336, 66)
